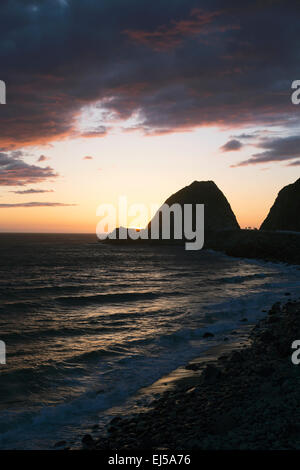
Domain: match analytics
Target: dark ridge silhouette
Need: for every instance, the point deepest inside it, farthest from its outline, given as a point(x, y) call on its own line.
point(218, 214)
point(222, 230)
point(285, 213)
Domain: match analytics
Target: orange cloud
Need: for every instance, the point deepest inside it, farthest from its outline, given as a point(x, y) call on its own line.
point(166, 37)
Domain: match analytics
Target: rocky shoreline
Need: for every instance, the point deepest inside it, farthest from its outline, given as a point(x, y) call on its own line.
point(247, 399)
point(272, 246)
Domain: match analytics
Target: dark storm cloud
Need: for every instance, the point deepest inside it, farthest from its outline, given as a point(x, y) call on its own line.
point(35, 204)
point(277, 150)
point(232, 145)
point(173, 65)
point(15, 172)
point(33, 191)
point(198, 22)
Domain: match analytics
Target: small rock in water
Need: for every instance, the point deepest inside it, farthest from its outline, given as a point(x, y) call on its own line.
point(60, 443)
point(102, 444)
point(276, 308)
point(88, 441)
point(116, 420)
point(208, 335)
point(193, 367)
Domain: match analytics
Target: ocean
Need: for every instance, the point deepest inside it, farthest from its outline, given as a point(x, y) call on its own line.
point(87, 325)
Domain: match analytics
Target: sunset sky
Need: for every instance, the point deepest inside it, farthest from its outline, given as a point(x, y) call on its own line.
point(140, 98)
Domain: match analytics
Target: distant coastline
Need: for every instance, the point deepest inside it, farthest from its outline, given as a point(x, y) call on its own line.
point(272, 246)
point(277, 240)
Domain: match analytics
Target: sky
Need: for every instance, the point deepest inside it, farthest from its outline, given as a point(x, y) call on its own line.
point(139, 99)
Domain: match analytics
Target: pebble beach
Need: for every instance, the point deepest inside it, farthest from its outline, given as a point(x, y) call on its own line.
point(247, 398)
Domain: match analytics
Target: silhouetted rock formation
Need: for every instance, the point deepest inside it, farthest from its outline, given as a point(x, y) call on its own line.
point(271, 246)
point(285, 213)
point(218, 214)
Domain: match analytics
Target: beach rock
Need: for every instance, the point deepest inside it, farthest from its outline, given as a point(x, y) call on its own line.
point(284, 349)
point(266, 337)
point(284, 214)
point(211, 373)
point(60, 444)
point(265, 370)
point(273, 319)
point(193, 444)
point(88, 442)
point(224, 424)
point(208, 335)
point(102, 444)
point(276, 308)
point(192, 366)
point(116, 420)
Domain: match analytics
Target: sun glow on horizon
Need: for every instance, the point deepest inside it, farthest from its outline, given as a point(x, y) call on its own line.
point(145, 169)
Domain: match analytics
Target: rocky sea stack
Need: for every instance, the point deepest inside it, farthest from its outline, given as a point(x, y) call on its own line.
point(218, 213)
point(284, 215)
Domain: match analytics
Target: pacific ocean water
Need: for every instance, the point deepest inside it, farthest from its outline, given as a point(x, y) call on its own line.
point(87, 324)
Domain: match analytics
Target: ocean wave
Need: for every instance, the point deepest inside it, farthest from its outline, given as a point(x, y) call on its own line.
point(26, 306)
point(113, 298)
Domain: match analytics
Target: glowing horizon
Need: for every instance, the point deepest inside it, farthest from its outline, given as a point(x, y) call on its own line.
point(86, 183)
